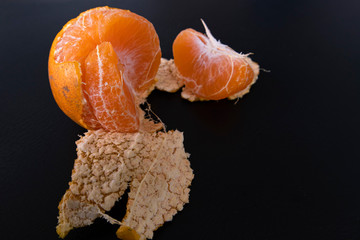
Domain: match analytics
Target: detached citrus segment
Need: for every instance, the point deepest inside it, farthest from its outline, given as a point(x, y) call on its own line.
point(135, 44)
point(209, 69)
point(112, 101)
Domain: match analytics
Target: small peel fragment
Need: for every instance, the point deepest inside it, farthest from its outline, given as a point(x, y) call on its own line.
point(166, 76)
point(109, 162)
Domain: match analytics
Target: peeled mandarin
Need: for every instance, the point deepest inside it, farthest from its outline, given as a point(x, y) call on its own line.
point(88, 90)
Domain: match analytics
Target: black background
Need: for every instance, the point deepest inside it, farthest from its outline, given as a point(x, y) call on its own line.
point(281, 163)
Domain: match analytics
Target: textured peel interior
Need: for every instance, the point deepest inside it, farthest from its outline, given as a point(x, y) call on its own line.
point(167, 79)
point(154, 166)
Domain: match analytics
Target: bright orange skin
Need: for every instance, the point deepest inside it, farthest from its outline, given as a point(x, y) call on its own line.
point(135, 44)
point(65, 82)
point(210, 71)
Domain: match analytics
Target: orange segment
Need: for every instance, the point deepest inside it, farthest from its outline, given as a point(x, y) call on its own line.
point(134, 43)
point(112, 101)
point(209, 69)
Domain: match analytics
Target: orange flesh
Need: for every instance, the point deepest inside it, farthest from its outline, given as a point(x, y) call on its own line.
point(211, 70)
point(112, 102)
point(133, 42)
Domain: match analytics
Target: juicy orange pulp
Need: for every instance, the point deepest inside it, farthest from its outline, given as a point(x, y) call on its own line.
point(209, 69)
point(112, 101)
point(101, 65)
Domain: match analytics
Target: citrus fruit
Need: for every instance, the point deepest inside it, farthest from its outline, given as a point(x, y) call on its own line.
point(102, 64)
point(209, 69)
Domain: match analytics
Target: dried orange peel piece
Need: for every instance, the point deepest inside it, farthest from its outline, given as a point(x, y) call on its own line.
point(209, 69)
point(154, 165)
point(135, 43)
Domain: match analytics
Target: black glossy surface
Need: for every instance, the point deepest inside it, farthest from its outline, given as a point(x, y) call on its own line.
point(282, 163)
